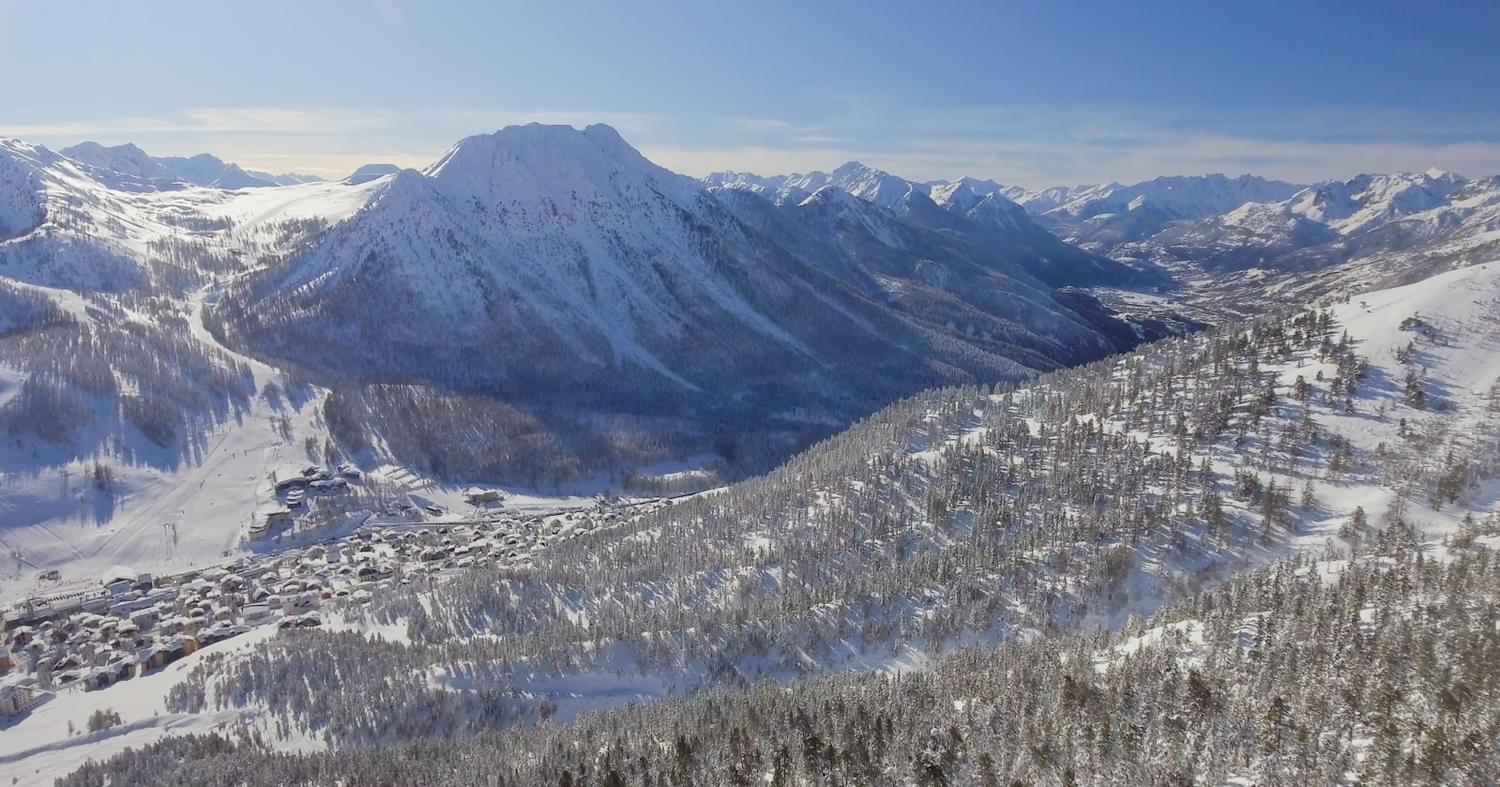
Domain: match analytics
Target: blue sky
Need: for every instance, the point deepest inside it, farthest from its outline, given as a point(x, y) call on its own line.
point(1029, 93)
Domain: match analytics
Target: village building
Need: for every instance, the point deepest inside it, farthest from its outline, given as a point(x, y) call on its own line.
point(291, 482)
point(20, 696)
point(269, 519)
point(476, 496)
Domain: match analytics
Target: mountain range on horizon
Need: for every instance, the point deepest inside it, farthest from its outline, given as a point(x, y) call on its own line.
point(980, 280)
point(203, 169)
point(1151, 234)
point(1183, 196)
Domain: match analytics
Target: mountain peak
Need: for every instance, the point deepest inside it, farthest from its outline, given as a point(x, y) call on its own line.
point(538, 161)
point(128, 148)
point(603, 132)
point(851, 168)
point(871, 184)
point(1438, 173)
point(833, 196)
point(963, 193)
point(976, 184)
point(126, 159)
point(20, 148)
point(369, 172)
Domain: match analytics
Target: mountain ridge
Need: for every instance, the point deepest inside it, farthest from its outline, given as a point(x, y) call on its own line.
point(203, 169)
point(527, 197)
point(967, 206)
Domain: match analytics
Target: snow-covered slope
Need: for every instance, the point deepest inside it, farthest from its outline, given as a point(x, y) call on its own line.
point(1191, 196)
point(1101, 217)
point(132, 437)
point(22, 198)
point(285, 178)
point(938, 277)
point(1347, 236)
point(59, 227)
point(67, 224)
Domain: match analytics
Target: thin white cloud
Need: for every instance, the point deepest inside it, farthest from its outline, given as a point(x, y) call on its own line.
point(330, 163)
point(1037, 165)
point(1036, 146)
point(758, 124)
point(700, 161)
point(212, 120)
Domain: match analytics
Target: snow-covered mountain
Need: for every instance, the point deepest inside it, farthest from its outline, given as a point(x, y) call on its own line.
point(1368, 201)
point(1182, 197)
point(549, 264)
point(22, 201)
point(1341, 236)
point(67, 223)
point(976, 209)
point(162, 171)
point(285, 178)
point(369, 172)
point(865, 182)
point(60, 227)
point(1099, 217)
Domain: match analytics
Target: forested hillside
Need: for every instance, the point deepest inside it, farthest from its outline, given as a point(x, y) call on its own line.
point(1383, 669)
point(975, 518)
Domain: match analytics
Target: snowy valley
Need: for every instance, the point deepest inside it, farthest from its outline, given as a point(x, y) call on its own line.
point(170, 348)
point(539, 464)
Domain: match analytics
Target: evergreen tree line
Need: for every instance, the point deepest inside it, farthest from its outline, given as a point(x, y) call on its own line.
point(1384, 669)
point(959, 515)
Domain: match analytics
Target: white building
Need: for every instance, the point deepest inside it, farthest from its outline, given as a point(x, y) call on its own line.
point(20, 696)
